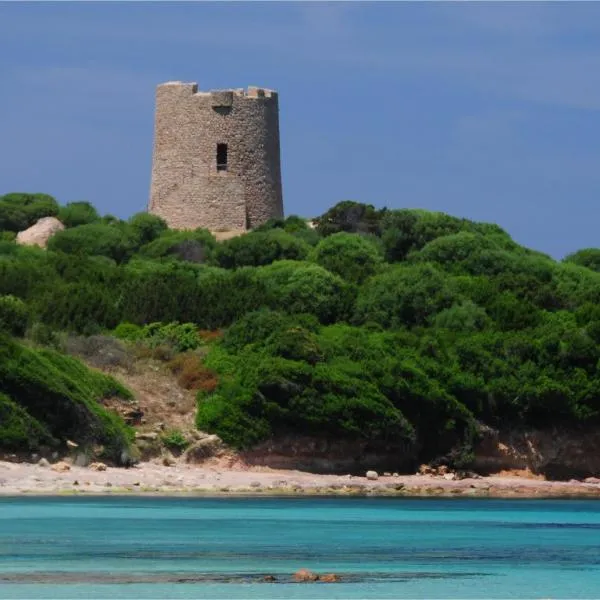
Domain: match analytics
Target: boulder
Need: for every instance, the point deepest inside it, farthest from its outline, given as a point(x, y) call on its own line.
point(372, 475)
point(43, 462)
point(97, 466)
point(329, 578)
point(61, 467)
point(72, 445)
point(592, 480)
point(305, 575)
point(204, 448)
point(269, 578)
point(40, 233)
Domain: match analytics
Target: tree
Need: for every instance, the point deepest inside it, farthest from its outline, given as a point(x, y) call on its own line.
point(115, 241)
point(355, 258)
point(404, 296)
point(18, 211)
point(260, 248)
point(349, 216)
point(77, 213)
point(587, 257)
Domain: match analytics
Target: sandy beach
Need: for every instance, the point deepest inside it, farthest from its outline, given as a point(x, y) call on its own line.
point(158, 479)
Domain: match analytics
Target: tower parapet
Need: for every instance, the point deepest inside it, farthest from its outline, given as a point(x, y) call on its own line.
point(216, 160)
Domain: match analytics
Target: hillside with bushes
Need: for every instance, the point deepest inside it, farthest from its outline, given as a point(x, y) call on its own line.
point(405, 330)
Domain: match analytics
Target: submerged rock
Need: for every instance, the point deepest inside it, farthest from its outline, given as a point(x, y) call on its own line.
point(305, 575)
point(329, 578)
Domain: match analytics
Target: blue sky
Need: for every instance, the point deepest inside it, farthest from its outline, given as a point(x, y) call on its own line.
point(482, 110)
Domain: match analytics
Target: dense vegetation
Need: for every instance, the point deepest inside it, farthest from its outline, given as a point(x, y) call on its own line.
point(396, 327)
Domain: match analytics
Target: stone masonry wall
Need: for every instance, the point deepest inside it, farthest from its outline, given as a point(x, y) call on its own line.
point(187, 190)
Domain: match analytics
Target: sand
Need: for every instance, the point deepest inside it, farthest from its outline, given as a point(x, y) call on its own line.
point(183, 479)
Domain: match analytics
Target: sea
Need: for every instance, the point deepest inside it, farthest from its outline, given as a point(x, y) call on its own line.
point(182, 547)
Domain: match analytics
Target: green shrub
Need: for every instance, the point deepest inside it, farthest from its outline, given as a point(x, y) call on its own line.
point(115, 241)
point(14, 315)
point(19, 431)
point(175, 440)
point(127, 331)
point(62, 394)
point(18, 211)
point(259, 248)
point(74, 214)
point(352, 257)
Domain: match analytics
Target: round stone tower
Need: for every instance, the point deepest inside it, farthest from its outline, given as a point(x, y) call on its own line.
point(216, 157)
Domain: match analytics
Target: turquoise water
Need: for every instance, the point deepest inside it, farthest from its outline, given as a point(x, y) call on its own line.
point(221, 548)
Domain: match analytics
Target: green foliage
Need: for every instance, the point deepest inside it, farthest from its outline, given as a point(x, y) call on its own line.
point(18, 211)
point(193, 246)
point(74, 214)
point(62, 394)
point(115, 241)
point(181, 337)
point(175, 440)
point(127, 331)
point(14, 315)
point(351, 217)
point(19, 431)
point(296, 287)
point(587, 257)
point(146, 227)
point(401, 329)
point(352, 257)
point(260, 248)
point(404, 296)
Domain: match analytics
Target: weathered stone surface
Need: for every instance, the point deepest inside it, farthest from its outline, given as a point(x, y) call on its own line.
point(40, 233)
point(43, 462)
point(204, 448)
point(97, 466)
point(305, 575)
point(188, 190)
point(72, 445)
point(591, 480)
point(329, 578)
point(61, 467)
point(372, 475)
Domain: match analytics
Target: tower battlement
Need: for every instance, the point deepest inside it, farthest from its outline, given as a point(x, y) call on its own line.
point(251, 91)
point(216, 160)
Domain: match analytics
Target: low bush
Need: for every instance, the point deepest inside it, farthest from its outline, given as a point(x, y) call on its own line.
point(192, 374)
point(14, 315)
point(175, 440)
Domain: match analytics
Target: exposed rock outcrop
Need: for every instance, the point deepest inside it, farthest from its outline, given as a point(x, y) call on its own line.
point(554, 453)
point(206, 447)
point(40, 233)
point(321, 455)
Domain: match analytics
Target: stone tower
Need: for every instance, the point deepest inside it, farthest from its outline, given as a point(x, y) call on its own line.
point(216, 157)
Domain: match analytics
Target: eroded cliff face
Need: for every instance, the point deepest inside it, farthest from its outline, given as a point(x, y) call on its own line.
point(319, 455)
point(555, 453)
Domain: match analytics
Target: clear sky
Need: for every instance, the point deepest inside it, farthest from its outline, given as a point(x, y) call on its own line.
point(486, 111)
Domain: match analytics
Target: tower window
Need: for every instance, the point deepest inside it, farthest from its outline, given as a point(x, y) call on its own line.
point(221, 157)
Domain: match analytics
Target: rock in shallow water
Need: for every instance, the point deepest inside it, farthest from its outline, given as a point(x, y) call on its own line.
point(305, 575)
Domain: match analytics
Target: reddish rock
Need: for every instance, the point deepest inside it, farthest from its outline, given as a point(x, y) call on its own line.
point(305, 575)
point(329, 578)
point(269, 578)
point(61, 467)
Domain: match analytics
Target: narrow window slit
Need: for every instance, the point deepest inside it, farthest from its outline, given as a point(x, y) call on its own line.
point(221, 157)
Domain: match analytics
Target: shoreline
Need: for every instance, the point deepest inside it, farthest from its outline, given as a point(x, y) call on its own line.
point(183, 480)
